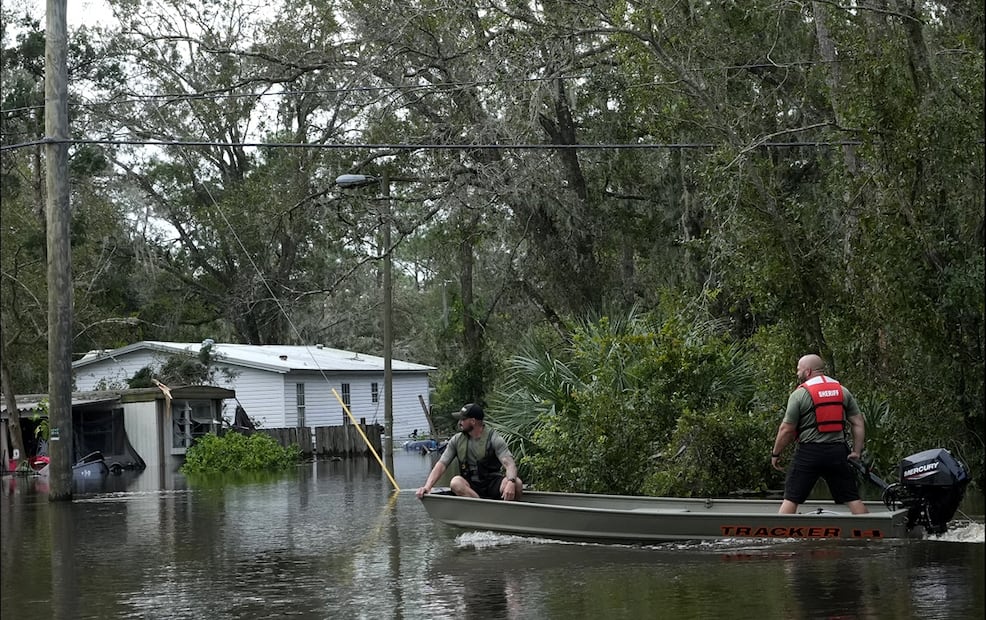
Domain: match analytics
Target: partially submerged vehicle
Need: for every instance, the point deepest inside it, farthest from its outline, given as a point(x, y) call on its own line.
point(423, 446)
point(92, 465)
point(925, 499)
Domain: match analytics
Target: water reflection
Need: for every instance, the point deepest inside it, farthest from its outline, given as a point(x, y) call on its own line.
point(484, 584)
point(940, 572)
point(63, 561)
point(496, 596)
point(331, 540)
point(127, 480)
point(827, 583)
point(394, 554)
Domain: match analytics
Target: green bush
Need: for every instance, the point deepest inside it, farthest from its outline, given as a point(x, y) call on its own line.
point(235, 452)
point(720, 451)
point(608, 407)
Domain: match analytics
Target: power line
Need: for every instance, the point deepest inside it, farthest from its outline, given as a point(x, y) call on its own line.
point(222, 94)
point(431, 147)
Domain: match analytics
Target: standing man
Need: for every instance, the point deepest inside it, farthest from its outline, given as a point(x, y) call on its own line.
point(816, 417)
point(481, 453)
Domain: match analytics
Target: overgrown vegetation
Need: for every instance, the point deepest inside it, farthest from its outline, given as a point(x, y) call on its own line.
point(237, 452)
point(758, 179)
point(635, 405)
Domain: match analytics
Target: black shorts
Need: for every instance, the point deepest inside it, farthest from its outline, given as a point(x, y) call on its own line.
point(828, 461)
point(488, 488)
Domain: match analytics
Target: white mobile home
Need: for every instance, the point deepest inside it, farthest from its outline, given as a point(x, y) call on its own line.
point(281, 386)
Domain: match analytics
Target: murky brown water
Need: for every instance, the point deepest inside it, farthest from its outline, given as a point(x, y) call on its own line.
point(333, 541)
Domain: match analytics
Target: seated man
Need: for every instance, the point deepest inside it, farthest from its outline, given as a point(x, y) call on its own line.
point(481, 453)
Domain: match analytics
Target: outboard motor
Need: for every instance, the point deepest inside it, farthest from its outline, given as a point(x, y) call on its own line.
point(932, 484)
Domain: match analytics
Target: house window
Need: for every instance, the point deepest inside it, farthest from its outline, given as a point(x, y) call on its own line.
point(374, 392)
point(345, 401)
point(190, 419)
point(300, 392)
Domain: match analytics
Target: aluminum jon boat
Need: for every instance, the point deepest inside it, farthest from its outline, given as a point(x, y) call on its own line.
point(932, 485)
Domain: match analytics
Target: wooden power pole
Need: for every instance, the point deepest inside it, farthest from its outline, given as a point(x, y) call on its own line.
point(59, 253)
point(388, 327)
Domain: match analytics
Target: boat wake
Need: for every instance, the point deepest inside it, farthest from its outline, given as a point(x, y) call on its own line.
point(489, 540)
point(959, 532)
point(963, 532)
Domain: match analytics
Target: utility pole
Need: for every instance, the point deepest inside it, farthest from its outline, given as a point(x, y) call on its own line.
point(59, 251)
point(363, 180)
point(388, 328)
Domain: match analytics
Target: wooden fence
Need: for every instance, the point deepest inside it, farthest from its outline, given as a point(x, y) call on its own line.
point(330, 441)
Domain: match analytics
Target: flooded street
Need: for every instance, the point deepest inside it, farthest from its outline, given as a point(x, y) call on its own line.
point(334, 541)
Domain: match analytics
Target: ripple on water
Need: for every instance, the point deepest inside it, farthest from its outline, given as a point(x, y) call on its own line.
point(961, 532)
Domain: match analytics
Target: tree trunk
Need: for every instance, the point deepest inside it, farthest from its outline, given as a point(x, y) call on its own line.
point(833, 78)
point(17, 437)
point(472, 333)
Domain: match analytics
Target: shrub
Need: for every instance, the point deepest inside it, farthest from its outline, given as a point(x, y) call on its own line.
point(714, 453)
point(234, 452)
point(608, 405)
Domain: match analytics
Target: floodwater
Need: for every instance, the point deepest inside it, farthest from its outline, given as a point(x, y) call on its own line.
point(334, 541)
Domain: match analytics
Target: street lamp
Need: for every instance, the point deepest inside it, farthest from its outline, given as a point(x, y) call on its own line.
point(363, 180)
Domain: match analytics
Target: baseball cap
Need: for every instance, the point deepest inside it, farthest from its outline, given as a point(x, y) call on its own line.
point(470, 410)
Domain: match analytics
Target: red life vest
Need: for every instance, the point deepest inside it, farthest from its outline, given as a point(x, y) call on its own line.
point(827, 403)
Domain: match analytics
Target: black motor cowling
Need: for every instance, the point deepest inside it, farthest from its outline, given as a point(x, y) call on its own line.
point(932, 484)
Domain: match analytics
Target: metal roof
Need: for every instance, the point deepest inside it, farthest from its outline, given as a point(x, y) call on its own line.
point(28, 403)
point(277, 358)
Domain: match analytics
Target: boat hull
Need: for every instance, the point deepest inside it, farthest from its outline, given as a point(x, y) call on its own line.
point(618, 518)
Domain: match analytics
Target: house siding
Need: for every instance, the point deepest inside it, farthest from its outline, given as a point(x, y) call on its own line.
point(321, 406)
point(408, 414)
point(261, 393)
point(115, 372)
point(323, 409)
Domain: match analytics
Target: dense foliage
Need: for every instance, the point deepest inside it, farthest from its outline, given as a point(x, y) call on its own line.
point(636, 405)
point(237, 452)
point(662, 194)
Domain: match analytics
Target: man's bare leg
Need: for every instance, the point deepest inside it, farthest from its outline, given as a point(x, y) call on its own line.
point(787, 508)
point(460, 486)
